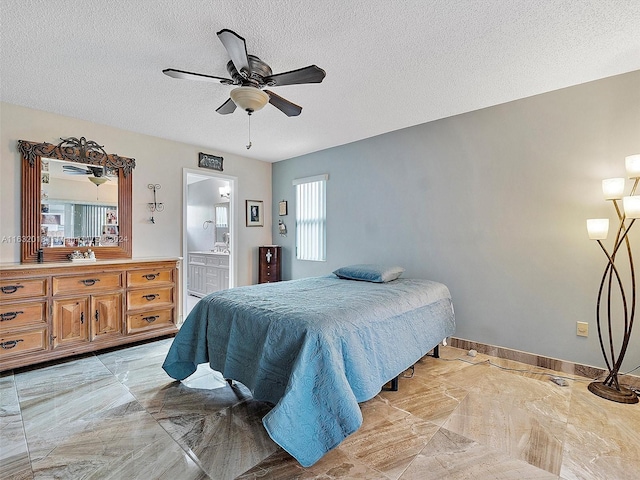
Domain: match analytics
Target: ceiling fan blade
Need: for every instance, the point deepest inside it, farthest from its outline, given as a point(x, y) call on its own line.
point(73, 170)
point(184, 75)
point(227, 107)
point(284, 105)
point(237, 50)
point(310, 74)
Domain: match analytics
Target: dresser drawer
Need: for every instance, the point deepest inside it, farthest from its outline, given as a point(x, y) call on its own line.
point(16, 315)
point(197, 259)
point(88, 283)
point(218, 260)
point(149, 297)
point(137, 278)
point(269, 273)
point(28, 288)
point(151, 320)
point(22, 342)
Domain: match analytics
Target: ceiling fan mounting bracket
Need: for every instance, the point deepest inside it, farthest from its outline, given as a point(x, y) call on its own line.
point(259, 71)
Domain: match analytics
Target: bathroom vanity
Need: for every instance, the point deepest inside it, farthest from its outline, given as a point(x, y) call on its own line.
point(208, 272)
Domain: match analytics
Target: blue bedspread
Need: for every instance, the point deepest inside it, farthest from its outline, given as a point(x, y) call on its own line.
point(314, 348)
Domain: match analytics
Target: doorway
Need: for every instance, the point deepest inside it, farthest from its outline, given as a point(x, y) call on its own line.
point(209, 238)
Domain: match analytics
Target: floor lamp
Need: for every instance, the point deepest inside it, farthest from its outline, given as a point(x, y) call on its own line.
point(612, 280)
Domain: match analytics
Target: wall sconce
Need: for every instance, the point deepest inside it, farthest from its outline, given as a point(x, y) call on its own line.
point(225, 191)
point(154, 206)
point(598, 229)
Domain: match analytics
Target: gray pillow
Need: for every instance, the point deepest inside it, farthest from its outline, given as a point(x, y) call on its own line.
point(369, 273)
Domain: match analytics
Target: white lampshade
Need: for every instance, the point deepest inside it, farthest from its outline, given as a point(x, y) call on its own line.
point(224, 191)
point(250, 99)
point(613, 188)
point(598, 228)
point(98, 180)
point(632, 163)
point(631, 206)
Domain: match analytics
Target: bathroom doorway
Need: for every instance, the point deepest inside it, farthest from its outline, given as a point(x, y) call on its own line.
point(208, 236)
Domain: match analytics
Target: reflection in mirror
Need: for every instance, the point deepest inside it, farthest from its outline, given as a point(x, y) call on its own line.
point(222, 225)
point(79, 205)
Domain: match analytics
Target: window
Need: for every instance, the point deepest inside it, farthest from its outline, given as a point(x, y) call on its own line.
point(311, 221)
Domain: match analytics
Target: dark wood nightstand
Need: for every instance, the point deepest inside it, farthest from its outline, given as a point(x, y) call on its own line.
point(269, 263)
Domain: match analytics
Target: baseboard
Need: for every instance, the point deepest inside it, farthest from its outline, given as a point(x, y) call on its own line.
point(541, 361)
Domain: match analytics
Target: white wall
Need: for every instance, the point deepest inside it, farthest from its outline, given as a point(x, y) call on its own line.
point(492, 203)
point(157, 161)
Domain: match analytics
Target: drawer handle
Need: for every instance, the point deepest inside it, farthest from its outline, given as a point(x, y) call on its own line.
point(11, 288)
point(151, 296)
point(9, 316)
point(151, 276)
point(151, 319)
point(82, 317)
point(90, 282)
point(10, 344)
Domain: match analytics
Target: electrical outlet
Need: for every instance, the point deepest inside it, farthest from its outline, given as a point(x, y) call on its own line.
point(582, 329)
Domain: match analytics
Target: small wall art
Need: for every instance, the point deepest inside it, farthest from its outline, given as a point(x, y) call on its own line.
point(282, 208)
point(255, 213)
point(212, 162)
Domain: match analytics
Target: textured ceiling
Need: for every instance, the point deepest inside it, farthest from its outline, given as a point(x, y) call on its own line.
point(389, 64)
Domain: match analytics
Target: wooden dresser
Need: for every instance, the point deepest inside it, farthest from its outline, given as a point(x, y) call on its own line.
point(55, 310)
point(269, 263)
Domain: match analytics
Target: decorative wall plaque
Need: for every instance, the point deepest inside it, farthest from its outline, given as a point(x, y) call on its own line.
point(211, 162)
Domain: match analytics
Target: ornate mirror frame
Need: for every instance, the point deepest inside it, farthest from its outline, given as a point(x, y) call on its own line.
point(79, 151)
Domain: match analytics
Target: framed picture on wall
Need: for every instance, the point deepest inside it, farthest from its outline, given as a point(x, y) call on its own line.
point(212, 162)
point(255, 213)
point(282, 208)
point(50, 219)
point(112, 217)
point(109, 229)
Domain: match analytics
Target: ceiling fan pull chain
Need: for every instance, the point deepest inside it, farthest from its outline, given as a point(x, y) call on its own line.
point(249, 144)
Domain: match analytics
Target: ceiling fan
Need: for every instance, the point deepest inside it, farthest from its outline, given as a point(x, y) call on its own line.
point(252, 75)
point(97, 175)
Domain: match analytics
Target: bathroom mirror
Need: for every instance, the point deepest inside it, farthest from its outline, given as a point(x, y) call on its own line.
point(75, 196)
point(222, 223)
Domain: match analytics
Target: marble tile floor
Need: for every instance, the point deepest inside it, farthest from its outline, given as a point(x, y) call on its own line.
point(117, 415)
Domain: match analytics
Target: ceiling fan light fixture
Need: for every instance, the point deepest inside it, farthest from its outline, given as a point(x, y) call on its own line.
point(97, 181)
point(249, 99)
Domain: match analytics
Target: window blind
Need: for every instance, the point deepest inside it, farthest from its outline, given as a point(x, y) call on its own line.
point(221, 217)
point(89, 219)
point(311, 218)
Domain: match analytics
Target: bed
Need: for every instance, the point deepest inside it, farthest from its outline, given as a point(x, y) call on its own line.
point(314, 348)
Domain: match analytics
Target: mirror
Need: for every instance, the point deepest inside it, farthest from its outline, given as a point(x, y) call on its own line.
point(221, 213)
point(75, 196)
point(78, 204)
point(222, 222)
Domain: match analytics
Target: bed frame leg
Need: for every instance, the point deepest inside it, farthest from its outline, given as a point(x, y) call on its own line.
point(435, 353)
point(394, 385)
point(394, 382)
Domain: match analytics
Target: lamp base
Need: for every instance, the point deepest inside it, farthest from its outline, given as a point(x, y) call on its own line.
point(624, 395)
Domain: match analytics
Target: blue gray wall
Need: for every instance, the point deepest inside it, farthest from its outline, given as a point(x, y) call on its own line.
point(492, 203)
